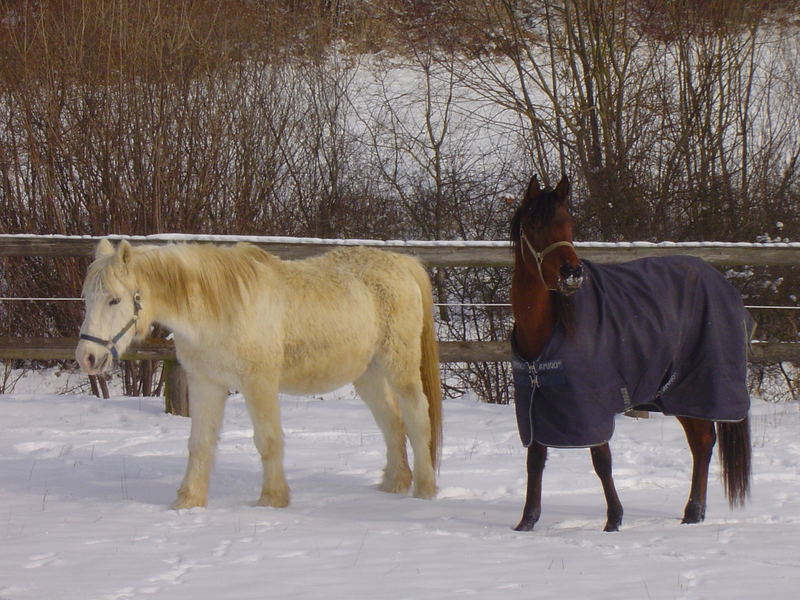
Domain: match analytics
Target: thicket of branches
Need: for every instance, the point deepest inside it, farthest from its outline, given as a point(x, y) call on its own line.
point(403, 119)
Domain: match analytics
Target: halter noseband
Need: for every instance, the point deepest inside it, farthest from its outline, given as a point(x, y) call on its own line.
point(539, 256)
point(112, 343)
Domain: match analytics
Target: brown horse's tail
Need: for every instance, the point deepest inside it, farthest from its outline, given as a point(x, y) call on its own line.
point(429, 367)
point(734, 456)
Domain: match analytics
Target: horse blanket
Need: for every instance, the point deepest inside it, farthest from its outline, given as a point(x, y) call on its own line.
point(667, 334)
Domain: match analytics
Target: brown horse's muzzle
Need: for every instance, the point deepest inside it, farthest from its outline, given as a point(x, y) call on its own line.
point(570, 278)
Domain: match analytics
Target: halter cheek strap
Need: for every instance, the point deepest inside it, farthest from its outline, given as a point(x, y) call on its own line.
point(539, 256)
point(112, 343)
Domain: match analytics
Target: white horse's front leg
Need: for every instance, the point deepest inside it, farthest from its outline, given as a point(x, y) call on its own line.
point(206, 407)
point(261, 396)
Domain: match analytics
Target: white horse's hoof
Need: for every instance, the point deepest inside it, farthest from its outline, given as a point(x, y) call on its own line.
point(185, 501)
point(426, 492)
point(394, 487)
point(275, 500)
point(399, 484)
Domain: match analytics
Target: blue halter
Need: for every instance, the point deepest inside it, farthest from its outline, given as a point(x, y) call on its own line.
point(112, 343)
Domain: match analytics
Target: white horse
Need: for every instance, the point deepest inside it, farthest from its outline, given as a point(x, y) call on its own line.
point(244, 319)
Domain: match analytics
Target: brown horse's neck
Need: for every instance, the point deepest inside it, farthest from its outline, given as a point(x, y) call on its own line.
point(534, 309)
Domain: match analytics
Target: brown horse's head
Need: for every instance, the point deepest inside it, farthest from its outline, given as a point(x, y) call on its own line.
point(541, 231)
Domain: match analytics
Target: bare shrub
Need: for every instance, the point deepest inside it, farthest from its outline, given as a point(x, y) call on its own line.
point(256, 117)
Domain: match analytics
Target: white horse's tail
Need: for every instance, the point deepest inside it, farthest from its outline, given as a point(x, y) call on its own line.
point(429, 367)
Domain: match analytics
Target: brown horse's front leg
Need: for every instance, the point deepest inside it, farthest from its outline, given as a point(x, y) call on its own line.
point(701, 437)
point(537, 456)
point(601, 459)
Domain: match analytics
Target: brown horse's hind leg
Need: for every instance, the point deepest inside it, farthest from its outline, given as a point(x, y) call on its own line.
point(537, 456)
point(601, 459)
point(701, 437)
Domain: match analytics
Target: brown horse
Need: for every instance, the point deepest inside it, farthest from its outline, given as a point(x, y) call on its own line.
point(548, 282)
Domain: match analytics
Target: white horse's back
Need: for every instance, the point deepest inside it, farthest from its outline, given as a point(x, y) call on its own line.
point(342, 311)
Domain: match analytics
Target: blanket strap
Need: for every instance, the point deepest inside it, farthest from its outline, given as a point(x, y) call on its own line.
point(520, 366)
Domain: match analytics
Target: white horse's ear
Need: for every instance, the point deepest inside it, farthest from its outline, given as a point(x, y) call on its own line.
point(124, 252)
point(103, 249)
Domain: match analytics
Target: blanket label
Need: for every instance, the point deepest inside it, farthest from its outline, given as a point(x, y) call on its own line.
point(550, 372)
point(550, 365)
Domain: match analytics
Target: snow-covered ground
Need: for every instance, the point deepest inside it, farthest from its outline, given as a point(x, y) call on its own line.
point(85, 486)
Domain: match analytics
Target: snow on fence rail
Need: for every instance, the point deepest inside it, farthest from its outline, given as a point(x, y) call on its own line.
point(433, 253)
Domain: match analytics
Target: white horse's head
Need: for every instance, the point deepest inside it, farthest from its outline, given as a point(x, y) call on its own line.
point(112, 308)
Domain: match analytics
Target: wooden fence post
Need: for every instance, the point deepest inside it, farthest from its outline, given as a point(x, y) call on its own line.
point(176, 389)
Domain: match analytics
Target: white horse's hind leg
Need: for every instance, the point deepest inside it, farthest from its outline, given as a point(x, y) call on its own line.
point(206, 407)
point(414, 408)
point(261, 396)
point(377, 395)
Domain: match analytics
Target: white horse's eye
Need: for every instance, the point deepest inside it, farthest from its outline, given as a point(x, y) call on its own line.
point(113, 301)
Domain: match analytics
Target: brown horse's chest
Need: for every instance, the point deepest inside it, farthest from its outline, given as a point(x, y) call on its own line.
point(534, 317)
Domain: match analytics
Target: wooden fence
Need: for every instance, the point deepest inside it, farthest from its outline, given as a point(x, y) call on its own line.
point(434, 254)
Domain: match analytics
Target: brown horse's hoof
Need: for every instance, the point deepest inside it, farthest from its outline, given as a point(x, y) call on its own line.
point(691, 520)
point(694, 513)
point(526, 524)
point(613, 519)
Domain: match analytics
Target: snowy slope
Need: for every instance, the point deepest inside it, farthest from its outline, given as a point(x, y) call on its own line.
point(85, 486)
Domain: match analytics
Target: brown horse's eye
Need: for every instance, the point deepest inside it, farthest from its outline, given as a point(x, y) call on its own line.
point(113, 301)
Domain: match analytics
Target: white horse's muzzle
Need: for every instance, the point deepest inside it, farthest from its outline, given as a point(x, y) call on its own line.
point(95, 363)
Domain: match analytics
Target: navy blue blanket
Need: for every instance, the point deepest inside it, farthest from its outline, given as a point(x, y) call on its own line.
point(668, 334)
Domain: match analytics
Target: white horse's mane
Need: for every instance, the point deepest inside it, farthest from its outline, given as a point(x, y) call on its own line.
point(211, 278)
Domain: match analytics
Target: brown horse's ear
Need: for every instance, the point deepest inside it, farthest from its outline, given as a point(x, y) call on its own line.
point(533, 190)
point(562, 189)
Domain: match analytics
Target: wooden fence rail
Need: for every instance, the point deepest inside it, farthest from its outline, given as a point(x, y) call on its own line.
point(433, 253)
point(449, 352)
